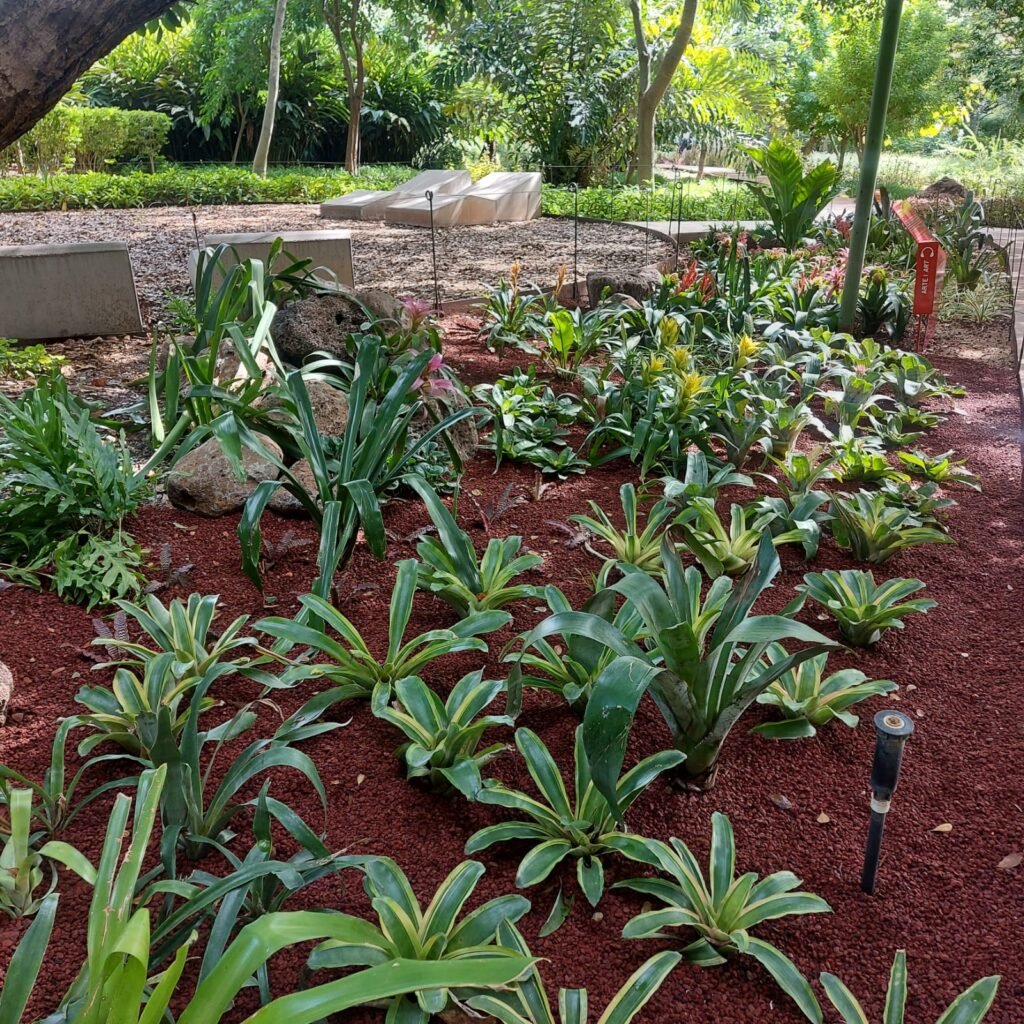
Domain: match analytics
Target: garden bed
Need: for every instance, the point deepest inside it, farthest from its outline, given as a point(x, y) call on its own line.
point(397, 259)
point(800, 806)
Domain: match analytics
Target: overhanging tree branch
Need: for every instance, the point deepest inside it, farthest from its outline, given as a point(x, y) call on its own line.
point(45, 45)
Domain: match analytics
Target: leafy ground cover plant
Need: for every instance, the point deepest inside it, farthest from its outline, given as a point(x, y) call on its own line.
point(631, 545)
point(573, 667)
point(443, 737)
point(350, 476)
point(64, 491)
point(350, 664)
point(452, 570)
point(874, 530)
point(939, 469)
point(970, 1007)
point(720, 549)
point(720, 907)
point(581, 827)
point(27, 361)
point(807, 699)
point(864, 609)
point(527, 1002)
point(799, 522)
point(405, 930)
point(702, 661)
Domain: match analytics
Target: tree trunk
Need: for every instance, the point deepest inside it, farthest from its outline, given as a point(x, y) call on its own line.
point(842, 156)
point(353, 142)
point(702, 159)
point(652, 85)
point(259, 163)
point(47, 44)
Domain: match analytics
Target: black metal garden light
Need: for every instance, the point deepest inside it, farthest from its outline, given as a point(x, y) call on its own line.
point(892, 729)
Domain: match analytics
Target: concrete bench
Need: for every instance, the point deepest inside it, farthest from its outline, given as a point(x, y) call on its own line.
point(329, 249)
point(497, 197)
point(368, 204)
point(78, 290)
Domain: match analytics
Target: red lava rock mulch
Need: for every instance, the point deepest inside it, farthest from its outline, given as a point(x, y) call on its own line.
point(941, 895)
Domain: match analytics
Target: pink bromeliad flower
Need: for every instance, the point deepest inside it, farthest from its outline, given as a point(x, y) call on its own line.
point(434, 383)
point(416, 311)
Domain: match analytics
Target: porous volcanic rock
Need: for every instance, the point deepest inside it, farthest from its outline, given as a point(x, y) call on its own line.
point(203, 481)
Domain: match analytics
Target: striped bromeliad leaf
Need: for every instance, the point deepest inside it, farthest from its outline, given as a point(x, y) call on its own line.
point(720, 907)
point(405, 931)
point(351, 665)
point(443, 736)
point(864, 609)
point(527, 1002)
point(970, 1007)
point(451, 569)
point(808, 699)
point(560, 827)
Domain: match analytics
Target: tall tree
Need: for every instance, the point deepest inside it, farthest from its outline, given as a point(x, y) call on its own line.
point(654, 79)
point(259, 164)
point(45, 45)
point(349, 24)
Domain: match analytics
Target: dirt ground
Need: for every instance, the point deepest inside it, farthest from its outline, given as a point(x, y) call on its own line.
point(397, 259)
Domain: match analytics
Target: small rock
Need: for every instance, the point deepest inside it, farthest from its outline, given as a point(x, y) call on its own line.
point(203, 481)
point(637, 284)
point(6, 691)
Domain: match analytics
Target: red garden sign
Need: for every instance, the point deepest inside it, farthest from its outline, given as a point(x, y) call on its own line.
point(929, 270)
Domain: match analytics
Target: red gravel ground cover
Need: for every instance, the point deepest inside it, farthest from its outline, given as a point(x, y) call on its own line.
point(800, 806)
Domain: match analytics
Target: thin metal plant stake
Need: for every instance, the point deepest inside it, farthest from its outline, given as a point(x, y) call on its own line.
point(892, 729)
point(433, 250)
point(575, 241)
point(679, 222)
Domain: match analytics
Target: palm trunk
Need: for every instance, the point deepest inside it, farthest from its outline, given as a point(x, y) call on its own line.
point(259, 164)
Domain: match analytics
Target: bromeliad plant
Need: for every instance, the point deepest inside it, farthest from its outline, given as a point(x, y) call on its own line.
point(808, 699)
point(720, 549)
point(571, 669)
point(874, 530)
point(702, 661)
point(699, 482)
point(573, 335)
point(22, 865)
point(512, 315)
point(970, 1007)
point(527, 1002)
point(630, 545)
point(451, 569)
point(443, 737)
point(583, 827)
point(405, 930)
point(941, 469)
point(350, 664)
point(799, 522)
point(720, 907)
point(864, 609)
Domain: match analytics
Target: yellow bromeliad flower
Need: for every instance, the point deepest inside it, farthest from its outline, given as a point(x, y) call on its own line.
point(681, 358)
point(651, 370)
point(746, 350)
point(690, 385)
point(668, 332)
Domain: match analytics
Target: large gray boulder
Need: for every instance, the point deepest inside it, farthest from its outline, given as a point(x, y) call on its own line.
point(203, 482)
point(322, 322)
point(286, 504)
point(330, 406)
point(637, 284)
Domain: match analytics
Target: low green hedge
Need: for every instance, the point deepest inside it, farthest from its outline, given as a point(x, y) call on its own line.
point(212, 186)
